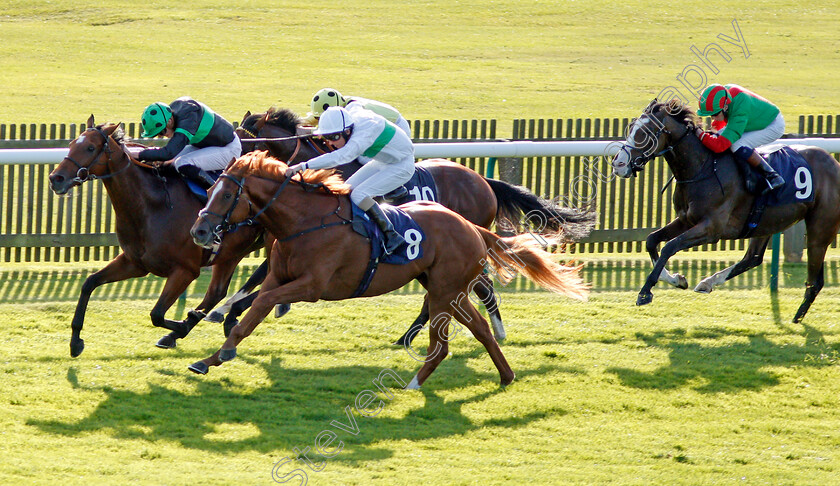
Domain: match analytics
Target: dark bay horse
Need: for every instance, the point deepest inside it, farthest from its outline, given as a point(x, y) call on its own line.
point(712, 203)
point(153, 219)
point(319, 257)
point(480, 200)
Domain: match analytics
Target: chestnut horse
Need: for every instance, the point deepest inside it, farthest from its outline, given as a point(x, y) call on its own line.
point(153, 217)
point(318, 256)
point(712, 203)
point(478, 199)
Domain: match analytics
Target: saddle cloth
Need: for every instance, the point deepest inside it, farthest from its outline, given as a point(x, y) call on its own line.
point(794, 169)
point(200, 192)
point(421, 187)
point(403, 224)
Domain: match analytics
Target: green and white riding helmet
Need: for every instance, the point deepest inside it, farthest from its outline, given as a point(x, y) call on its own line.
point(713, 99)
point(324, 99)
point(154, 119)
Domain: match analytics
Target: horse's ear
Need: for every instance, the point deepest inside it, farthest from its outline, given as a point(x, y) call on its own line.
point(111, 128)
point(90, 121)
point(245, 117)
point(263, 120)
point(651, 105)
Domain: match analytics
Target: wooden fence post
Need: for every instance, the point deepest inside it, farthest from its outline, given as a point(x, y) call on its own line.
point(794, 242)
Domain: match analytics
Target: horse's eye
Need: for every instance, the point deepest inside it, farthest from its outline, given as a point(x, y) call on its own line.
point(228, 195)
point(90, 148)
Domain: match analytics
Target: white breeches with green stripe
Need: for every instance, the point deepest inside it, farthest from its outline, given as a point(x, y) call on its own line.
point(378, 178)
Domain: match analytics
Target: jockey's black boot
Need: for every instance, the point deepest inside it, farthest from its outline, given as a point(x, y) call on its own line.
point(752, 157)
point(198, 175)
point(393, 240)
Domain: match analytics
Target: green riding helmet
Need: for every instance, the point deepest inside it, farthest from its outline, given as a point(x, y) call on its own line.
point(713, 99)
point(324, 99)
point(154, 119)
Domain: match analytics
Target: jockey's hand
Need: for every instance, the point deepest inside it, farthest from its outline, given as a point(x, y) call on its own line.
point(294, 169)
point(699, 132)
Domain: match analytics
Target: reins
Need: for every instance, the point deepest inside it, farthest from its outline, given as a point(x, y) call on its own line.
point(225, 226)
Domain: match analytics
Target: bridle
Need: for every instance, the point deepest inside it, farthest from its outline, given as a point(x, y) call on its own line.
point(83, 173)
point(637, 164)
point(226, 226)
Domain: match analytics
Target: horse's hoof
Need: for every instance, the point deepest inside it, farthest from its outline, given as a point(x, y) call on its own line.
point(682, 283)
point(402, 341)
point(215, 317)
point(281, 310)
point(229, 326)
point(505, 382)
point(644, 299)
point(166, 342)
point(199, 368)
point(227, 354)
point(703, 288)
point(76, 348)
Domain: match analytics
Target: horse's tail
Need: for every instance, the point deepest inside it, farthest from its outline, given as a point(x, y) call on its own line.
point(524, 254)
point(519, 206)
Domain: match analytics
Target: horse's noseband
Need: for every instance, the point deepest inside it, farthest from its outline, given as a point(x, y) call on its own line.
point(225, 225)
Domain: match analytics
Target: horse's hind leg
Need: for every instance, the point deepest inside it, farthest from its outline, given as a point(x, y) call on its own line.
point(120, 268)
point(816, 277)
point(438, 340)
point(752, 258)
point(489, 298)
point(416, 326)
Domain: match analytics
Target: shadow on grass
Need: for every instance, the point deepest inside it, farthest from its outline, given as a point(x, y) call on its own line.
point(696, 360)
point(293, 409)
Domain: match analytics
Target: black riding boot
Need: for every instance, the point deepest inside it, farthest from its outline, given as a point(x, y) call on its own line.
point(753, 158)
point(393, 240)
point(774, 180)
point(199, 175)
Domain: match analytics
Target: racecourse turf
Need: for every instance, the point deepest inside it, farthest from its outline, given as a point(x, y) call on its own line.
point(692, 389)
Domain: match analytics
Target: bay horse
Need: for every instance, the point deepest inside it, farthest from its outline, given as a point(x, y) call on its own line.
point(480, 200)
point(153, 218)
point(712, 203)
point(318, 256)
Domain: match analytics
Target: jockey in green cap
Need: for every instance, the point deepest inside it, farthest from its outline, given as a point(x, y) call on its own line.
point(744, 121)
point(199, 139)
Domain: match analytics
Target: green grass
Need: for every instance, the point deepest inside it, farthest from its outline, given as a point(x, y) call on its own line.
point(692, 389)
point(62, 60)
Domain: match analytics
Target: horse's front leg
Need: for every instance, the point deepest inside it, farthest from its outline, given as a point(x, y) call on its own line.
point(120, 268)
point(666, 233)
point(752, 258)
point(219, 283)
point(304, 288)
point(696, 235)
point(256, 278)
point(176, 283)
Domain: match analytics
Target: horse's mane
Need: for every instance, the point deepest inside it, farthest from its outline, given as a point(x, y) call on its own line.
point(679, 110)
point(261, 164)
point(283, 118)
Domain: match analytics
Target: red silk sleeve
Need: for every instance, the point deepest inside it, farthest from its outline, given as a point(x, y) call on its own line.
point(718, 125)
point(715, 142)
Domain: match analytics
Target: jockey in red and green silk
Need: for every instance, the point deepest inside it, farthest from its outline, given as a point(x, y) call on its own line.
point(743, 121)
